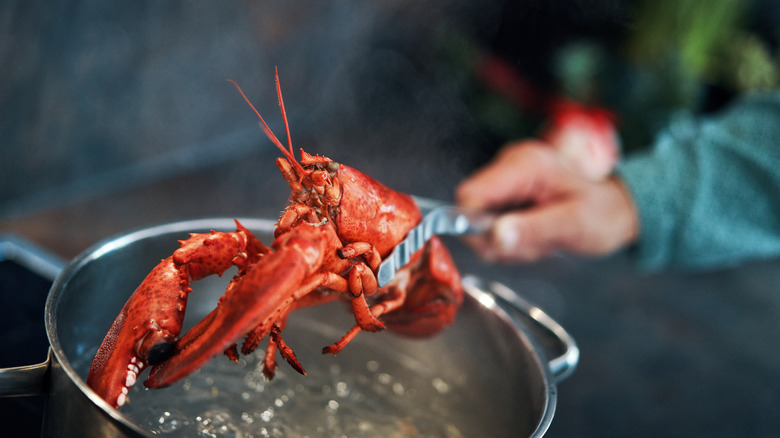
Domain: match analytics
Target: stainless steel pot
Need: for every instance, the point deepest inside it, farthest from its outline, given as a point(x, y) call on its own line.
point(498, 381)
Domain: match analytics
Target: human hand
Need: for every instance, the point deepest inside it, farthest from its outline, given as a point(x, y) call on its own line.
point(556, 207)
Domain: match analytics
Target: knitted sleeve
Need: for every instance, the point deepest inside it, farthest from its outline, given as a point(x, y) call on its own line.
point(708, 193)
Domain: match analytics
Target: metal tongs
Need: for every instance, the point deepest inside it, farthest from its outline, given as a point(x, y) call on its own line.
point(438, 218)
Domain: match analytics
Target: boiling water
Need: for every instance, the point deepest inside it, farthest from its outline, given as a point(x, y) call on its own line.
point(369, 390)
point(374, 388)
point(235, 400)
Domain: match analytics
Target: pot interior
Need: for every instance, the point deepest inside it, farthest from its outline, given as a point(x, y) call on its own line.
point(480, 377)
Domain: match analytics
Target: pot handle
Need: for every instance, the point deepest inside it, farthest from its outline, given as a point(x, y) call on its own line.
point(25, 380)
point(561, 366)
point(28, 379)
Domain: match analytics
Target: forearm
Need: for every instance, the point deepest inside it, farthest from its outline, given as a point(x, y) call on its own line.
point(706, 194)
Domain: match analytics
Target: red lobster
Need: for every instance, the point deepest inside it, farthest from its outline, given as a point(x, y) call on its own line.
point(329, 242)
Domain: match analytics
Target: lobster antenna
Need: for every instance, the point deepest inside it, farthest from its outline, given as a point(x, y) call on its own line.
point(284, 113)
point(266, 129)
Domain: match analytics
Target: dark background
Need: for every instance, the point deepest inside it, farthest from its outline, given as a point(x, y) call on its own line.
point(119, 116)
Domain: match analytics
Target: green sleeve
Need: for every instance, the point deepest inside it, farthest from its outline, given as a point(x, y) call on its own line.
point(708, 193)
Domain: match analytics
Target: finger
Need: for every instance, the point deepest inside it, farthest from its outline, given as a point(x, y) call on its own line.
point(487, 187)
point(521, 173)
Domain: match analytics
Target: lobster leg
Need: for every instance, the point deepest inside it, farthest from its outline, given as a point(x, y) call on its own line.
point(146, 328)
point(284, 350)
point(421, 300)
point(362, 283)
point(320, 296)
point(256, 335)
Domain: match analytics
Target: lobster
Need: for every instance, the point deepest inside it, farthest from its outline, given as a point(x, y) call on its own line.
point(328, 243)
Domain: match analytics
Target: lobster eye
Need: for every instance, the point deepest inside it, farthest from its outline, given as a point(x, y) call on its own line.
point(332, 166)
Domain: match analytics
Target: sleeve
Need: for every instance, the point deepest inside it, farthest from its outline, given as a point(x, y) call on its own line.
point(708, 192)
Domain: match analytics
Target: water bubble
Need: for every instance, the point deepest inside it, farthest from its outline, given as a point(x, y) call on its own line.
point(341, 389)
point(220, 424)
point(267, 415)
point(372, 366)
point(168, 422)
point(164, 417)
point(333, 406)
point(384, 378)
point(440, 386)
point(398, 389)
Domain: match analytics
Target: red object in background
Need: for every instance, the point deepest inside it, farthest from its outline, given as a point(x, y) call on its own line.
point(585, 135)
point(503, 78)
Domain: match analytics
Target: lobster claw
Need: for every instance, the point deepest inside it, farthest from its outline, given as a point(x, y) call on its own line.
point(143, 332)
point(146, 329)
point(432, 293)
point(254, 300)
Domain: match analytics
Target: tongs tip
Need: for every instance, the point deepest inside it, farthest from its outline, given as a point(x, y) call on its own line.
point(438, 219)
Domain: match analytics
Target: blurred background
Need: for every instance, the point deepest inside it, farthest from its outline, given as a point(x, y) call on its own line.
point(114, 117)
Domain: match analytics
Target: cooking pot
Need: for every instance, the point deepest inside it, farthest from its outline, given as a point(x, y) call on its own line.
point(484, 376)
